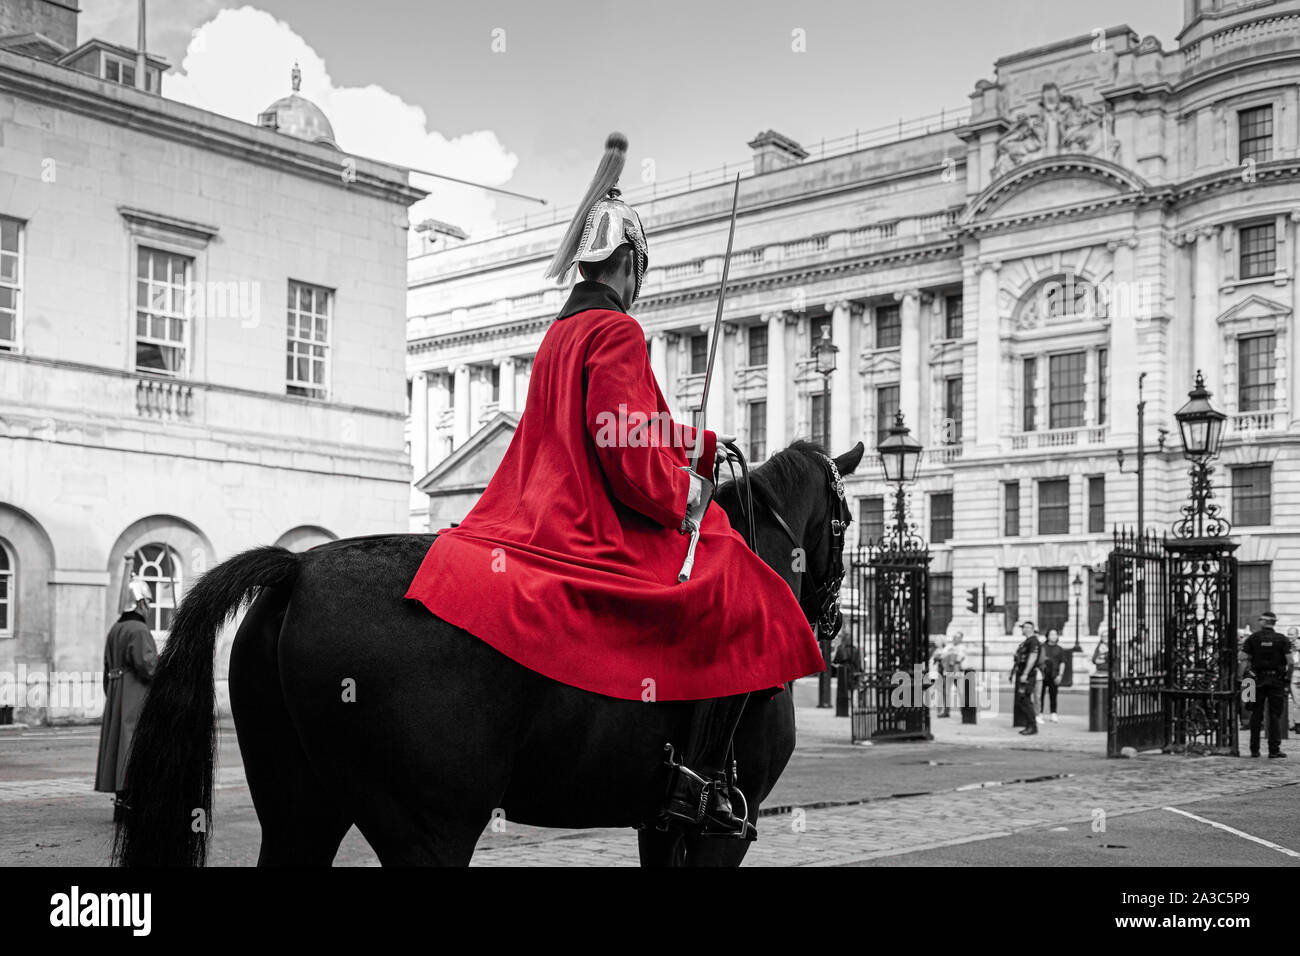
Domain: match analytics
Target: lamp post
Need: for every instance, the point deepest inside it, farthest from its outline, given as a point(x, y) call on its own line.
point(825, 353)
point(900, 458)
point(1077, 587)
point(1141, 457)
point(1202, 655)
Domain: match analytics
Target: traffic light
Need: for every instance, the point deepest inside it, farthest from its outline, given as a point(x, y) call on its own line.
point(1125, 577)
point(990, 604)
point(1098, 578)
point(973, 600)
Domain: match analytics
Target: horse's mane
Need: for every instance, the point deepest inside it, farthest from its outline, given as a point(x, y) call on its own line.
point(780, 476)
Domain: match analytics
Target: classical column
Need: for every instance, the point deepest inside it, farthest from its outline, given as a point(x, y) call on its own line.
point(1206, 341)
point(419, 425)
point(988, 355)
point(659, 359)
point(461, 420)
point(506, 402)
point(777, 382)
point(909, 359)
point(1124, 366)
point(841, 378)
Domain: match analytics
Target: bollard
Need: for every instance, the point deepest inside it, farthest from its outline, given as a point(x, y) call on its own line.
point(969, 698)
point(1098, 702)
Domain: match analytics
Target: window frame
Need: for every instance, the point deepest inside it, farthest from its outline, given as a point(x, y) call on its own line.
point(1052, 508)
point(953, 436)
point(954, 318)
point(1242, 140)
point(895, 326)
point(1254, 403)
point(703, 355)
point(16, 343)
point(9, 592)
point(1008, 512)
point(290, 340)
point(941, 522)
point(1043, 618)
point(864, 522)
point(1010, 606)
point(187, 318)
point(1096, 509)
point(1243, 255)
point(1259, 604)
point(751, 345)
point(1057, 382)
point(886, 422)
point(1243, 516)
point(1029, 397)
point(941, 605)
point(757, 436)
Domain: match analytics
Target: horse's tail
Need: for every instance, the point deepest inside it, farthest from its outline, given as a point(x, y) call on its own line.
point(169, 772)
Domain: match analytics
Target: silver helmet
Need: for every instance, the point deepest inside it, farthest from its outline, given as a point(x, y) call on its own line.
point(603, 222)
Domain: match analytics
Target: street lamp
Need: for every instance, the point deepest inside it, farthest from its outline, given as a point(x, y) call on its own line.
point(1201, 427)
point(900, 458)
point(1077, 587)
point(824, 353)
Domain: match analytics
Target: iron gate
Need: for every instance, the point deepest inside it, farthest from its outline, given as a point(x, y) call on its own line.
point(886, 607)
point(1172, 652)
point(1137, 582)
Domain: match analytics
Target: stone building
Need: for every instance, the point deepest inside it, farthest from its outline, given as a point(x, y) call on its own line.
point(201, 348)
point(1109, 214)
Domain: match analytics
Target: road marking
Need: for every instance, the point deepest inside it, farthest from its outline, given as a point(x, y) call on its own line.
point(1236, 832)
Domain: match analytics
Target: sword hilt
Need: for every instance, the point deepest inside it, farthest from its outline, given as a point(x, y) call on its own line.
point(688, 565)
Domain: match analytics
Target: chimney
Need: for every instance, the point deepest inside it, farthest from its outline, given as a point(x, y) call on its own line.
point(55, 20)
point(774, 151)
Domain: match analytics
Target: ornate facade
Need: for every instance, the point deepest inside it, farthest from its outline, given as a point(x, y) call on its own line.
point(1108, 217)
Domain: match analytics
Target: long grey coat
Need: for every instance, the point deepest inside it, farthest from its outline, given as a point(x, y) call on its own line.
point(130, 657)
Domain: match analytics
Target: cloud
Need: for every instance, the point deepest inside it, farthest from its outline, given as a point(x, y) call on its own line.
point(239, 61)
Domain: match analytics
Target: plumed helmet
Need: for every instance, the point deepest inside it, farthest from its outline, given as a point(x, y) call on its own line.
point(603, 222)
point(136, 591)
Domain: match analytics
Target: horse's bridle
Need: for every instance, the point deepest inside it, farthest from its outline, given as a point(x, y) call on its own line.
point(825, 598)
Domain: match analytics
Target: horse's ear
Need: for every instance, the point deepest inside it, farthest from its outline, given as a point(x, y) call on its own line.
point(848, 462)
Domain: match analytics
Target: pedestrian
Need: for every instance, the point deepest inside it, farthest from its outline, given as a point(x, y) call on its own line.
point(952, 662)
point(1268, 661)
point(1053, 668)
point(1024, 674)
point(1293, 636)
point(130, 656)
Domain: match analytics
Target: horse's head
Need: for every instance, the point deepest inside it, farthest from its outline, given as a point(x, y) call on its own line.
point(799, 517)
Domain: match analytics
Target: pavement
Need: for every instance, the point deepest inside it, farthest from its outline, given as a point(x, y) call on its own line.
point(974, 795)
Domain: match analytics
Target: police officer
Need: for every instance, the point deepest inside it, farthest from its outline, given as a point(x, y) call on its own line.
point(1267, 655)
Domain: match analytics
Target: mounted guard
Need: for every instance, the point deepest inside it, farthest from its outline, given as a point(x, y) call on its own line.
point(572, 561)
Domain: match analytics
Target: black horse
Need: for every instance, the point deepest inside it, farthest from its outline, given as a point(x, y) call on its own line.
point(355, 706)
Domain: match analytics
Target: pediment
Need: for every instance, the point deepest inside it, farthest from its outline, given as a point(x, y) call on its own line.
point(472, 465)
point(1255, 307)
point(1056, 182)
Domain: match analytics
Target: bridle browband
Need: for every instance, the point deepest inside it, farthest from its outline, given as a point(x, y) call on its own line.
point(826, 619)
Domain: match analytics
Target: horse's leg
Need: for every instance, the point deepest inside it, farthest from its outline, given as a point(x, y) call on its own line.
point(301, 824)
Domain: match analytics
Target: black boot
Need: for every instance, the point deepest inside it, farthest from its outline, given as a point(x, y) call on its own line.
point(699, 789)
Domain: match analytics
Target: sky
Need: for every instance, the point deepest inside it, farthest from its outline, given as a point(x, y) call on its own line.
point(521, 93)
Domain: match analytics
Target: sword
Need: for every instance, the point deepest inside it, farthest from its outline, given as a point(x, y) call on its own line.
point(689, 563)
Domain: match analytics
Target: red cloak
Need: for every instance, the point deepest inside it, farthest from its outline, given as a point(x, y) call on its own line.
point(568, 562)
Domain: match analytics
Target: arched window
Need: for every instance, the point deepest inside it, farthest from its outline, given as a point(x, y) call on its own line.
point(160, 568)
point(7, 591)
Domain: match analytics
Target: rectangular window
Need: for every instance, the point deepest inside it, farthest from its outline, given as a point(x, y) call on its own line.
point(817, 418)
point(1011, 509)
point(161, 311)
point(1010, 599)
point(940, 517)
point(757, 431)
point(1096, 505)
point(1054, 506)
point(1258, 250)
point(6, 592)
point(871, 519)
point(952, 317)
point(1254, 591)
point(952, 408)
point(1065, 398)
point(1029, 386)
point(757, 346)
point(819, 330)
point(1256, 368)
point(308, 340)
point(1255, 134)
point(1096, 603)
point(889, 327)
point(699, 353)
point(10, 281)
point(940, 603)
point(1053, 598)
point(496, 383)
point(1103, 384)
point(1252, 495)
point(886, 409)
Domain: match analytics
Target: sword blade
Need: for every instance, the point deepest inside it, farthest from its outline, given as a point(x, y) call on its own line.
point(717, 330)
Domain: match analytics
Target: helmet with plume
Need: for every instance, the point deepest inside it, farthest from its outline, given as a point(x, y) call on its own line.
point(603, 221)
point(136, 591)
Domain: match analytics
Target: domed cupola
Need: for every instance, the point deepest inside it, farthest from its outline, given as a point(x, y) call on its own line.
point(298, 117)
